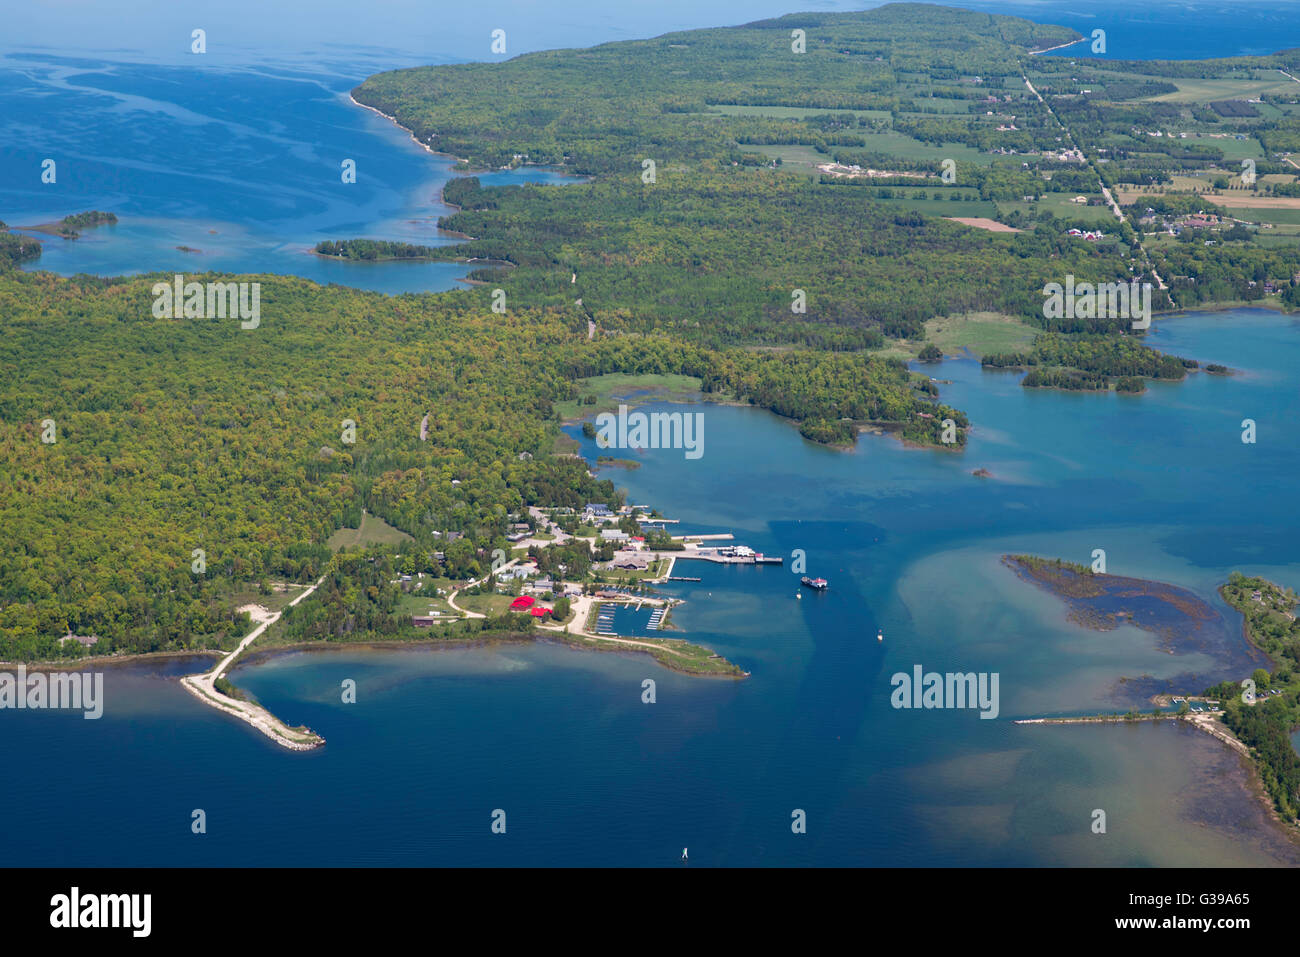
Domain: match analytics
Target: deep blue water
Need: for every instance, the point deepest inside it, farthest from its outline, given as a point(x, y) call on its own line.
point(561, 740)
point(242, 164)
point(1163, 29)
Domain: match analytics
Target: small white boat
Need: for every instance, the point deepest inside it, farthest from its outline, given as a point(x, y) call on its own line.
point(683, 853)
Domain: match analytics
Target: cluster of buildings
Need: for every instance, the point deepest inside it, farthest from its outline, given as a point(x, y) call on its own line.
point(534, 581)
point(1174, 225)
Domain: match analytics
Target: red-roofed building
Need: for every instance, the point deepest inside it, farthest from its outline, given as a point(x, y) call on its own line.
point(539, 612)
point(522, 602)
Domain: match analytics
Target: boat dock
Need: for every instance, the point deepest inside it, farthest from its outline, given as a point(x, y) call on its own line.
point(708, 555)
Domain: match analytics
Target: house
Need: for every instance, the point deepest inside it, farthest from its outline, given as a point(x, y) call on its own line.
point(86, 641)
point(425, 621)
point(1080, 200)
point(597, 510)
point(516, 572)
point(630, 561)
point(613, 535)
point(522, 603)
point(540, 612)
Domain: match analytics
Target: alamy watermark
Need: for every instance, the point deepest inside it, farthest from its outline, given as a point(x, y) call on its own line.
point(930, 689)
point(654, 430)
point(123, 911)
point(62, 690)
point(1103, 300)
point(213, 300)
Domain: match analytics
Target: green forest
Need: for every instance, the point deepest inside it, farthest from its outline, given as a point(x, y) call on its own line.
point(695, 223)
point(372, 250)
point(156, 473)
point(1265, 726)
point(154, 469)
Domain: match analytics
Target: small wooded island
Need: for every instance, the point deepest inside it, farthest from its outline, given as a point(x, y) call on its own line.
point(70, 227)
point(372, 250)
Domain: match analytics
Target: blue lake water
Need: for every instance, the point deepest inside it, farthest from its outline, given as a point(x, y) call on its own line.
point(1162, 29)
point(243, 164)
point(910, 542)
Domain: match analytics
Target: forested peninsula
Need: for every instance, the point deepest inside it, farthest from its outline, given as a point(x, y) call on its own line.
point(779, 226)
point(810, 182)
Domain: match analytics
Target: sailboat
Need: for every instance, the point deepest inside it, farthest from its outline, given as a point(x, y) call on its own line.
point(683, 853)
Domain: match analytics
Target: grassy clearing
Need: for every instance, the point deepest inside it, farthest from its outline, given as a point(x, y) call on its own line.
point(793, 157)
point(980, 332)
point(1196, 90)
point(946, 105)
point(690, 659)
point(621, 575)
point(373, 531)
point(419, 603)
point(1234, 150)
point(904, 146)
point(693, 659)
point(619, 388)
point(276, 601)
point(565, 444)
point(1058, 204)
point(490, 605)
point(942, 207)
point(1285, 217)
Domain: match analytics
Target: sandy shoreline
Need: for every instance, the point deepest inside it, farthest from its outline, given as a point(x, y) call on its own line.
point(414, 139)
point(1059, 46)
point(1208, 724)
